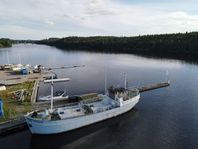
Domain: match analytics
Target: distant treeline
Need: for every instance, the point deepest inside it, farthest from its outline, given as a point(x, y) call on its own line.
point(180, 46)
point(23, 41)
point(4, 42)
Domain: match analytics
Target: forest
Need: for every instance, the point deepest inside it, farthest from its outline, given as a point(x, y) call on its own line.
point(4, 42)
point(182, 46)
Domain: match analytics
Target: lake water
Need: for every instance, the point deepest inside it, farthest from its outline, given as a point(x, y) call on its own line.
point(164, 118)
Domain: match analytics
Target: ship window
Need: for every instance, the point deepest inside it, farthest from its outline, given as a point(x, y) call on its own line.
point(62, 112)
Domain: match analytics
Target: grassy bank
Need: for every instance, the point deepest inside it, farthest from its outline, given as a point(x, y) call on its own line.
point(12, 106)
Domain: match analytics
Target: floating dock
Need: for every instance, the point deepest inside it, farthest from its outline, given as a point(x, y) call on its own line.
point(12, 126)
point(153, 86)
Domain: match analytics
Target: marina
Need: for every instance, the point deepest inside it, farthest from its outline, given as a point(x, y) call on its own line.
point(156, 109)
point(60, 99)
point(95, 74)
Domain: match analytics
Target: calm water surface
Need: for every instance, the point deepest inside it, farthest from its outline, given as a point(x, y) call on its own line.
point(164, 118)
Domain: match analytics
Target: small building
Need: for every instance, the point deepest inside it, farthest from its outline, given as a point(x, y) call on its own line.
point(1, 108)
point(1, 67)
point(2, 87)
point(24, 71)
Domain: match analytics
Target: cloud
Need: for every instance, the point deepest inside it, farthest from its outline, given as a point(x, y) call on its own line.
point(94, 17)
point(98, 7)
point(47, 21)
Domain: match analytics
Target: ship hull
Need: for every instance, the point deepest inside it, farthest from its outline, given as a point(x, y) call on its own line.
point(64, 125)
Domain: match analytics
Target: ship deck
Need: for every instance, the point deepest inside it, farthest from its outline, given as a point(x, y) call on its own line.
point(84, 108)
point(104, 103)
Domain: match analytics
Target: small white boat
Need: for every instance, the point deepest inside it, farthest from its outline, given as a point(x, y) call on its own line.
point(38, 68)
point(57, 95)
point(17, 67)
point(7, 66)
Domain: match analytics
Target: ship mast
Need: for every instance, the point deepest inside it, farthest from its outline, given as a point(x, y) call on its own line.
point(167, 76)
point(125, 80)
point(52, 81)
point(52, 92)
point(105, 82)
point(8, 58)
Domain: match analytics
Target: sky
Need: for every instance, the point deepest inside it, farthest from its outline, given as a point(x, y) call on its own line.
point(40, 19)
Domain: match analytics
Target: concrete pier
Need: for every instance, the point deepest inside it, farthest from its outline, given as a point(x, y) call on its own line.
point(9, 78)
point(12, 126)
point(35, 91)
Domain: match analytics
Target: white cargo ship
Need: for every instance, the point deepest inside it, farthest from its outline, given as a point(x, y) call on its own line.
point(69, 117)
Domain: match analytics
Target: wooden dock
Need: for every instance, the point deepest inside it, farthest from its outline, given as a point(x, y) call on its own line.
point(12, 126)
point(153, 86)
point(35, 91)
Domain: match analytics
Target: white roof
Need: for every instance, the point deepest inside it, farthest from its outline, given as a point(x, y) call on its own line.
point(2, 88)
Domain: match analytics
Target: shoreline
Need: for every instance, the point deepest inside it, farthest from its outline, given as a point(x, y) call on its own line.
point(181, 46)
